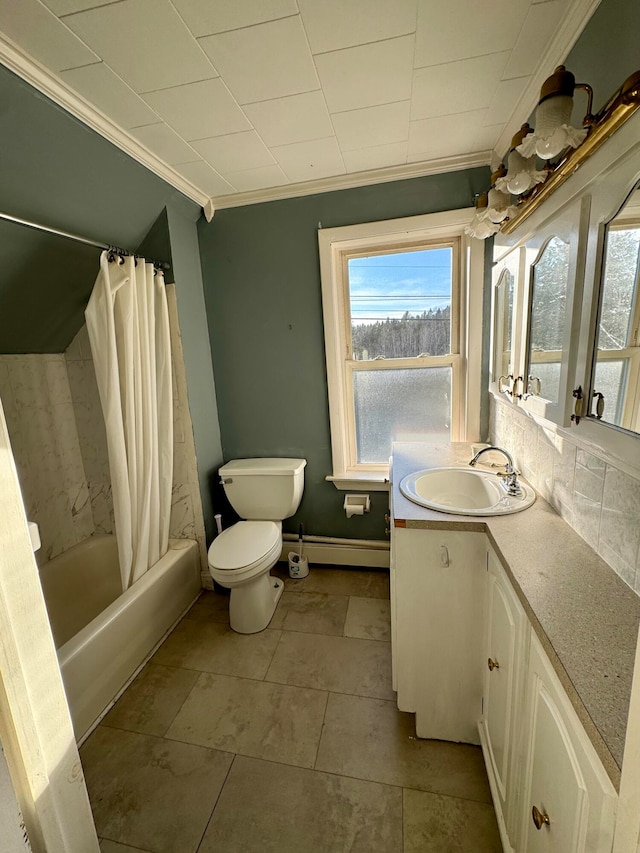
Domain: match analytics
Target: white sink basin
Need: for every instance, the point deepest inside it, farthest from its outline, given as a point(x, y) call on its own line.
point(464, 491)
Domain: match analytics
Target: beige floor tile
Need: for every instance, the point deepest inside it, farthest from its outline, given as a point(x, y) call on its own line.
point(149, 792)
point(107, 846)
point(371, 739)
point(341, 664)
point(210, 607)
point(368, 583)
point(368, 618)
point(313, 613)
point(271, 808)
point(271, 721)
point(436, 824)
point(151, 702)
point(213, 647)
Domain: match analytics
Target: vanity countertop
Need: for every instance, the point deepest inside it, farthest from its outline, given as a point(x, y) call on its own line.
point(585, 616)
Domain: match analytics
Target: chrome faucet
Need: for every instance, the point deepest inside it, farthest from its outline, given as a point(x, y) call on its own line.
point(510, 477)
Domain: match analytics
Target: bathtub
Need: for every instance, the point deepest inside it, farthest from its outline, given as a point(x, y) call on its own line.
point(102, 634)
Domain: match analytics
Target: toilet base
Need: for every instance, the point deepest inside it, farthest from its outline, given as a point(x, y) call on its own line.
point(252, 605)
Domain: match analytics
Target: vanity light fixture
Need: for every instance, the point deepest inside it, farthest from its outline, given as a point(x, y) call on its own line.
point(552, 138)
point(498, 202)
point(522, 174)
point(553, 134)
point(481, 226)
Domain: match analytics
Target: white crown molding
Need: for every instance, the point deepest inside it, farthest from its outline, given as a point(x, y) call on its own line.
point(357, 179)
point(34, 73)
point(567, 34)
point(16, 60)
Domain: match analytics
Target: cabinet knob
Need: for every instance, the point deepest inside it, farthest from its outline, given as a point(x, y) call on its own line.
point(493, 664)
point(539, 818)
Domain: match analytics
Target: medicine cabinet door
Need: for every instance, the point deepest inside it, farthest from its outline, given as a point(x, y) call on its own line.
point(554, 272)
point(504, 332)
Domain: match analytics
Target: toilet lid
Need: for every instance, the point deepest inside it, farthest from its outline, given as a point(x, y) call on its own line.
point(243, 544)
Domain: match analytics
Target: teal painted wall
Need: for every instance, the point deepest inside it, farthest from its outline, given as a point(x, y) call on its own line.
point(57, 172)
point(197, 352)
point(262, 291)
point(607, 52)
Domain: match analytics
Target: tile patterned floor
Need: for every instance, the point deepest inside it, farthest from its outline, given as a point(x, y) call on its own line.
point(288, 740)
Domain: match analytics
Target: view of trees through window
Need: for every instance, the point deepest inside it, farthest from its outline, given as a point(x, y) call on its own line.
point(621, 275)
point(400, 304)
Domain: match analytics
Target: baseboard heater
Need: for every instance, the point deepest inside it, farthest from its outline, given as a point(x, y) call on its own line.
point(327, 550)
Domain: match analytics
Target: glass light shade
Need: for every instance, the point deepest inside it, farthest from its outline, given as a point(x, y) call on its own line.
point(481, 227)
point(521, 174)
point(552, 132)
point(497, 205)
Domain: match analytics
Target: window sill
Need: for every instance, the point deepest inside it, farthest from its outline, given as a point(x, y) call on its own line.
point(369, 481)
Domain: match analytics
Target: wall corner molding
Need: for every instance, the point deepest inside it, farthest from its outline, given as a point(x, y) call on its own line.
point(34, 73)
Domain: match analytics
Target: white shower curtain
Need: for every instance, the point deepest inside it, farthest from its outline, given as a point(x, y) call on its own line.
point(128, 325)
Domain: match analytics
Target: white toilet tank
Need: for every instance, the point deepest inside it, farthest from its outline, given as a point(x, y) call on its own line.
point(264, 489)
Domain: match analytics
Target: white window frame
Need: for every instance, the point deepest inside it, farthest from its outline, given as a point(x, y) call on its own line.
point(335, 244)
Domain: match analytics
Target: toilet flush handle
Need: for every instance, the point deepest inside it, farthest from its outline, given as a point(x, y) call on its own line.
point(224, 481)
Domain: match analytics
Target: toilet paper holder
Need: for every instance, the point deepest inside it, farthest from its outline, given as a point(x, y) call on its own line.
point(356, 504)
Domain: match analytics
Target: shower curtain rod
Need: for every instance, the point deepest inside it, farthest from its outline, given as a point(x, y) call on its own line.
point(116, 249)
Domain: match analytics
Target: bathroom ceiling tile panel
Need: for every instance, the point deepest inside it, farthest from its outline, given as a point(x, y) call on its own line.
point(234, 152)
point(38, 31)
point(199, 110)
point(443, 136)
point(486, 137)
point(166, 143)
point(248, 180)
point(368, 75)
point(105, 90)
point(67, 7)
point(202, 175)
point(145, 42)
point(540, 25)
point(309, 161)
point(372, 126)
point(459, 29)
point(295, 118)
point(265, 61)
point(334, 24)
point(506, 98)
point(457, 87)
point(380, 157)
point(206, 18)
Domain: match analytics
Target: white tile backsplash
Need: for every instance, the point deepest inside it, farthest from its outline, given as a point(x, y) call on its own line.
point(599, 500)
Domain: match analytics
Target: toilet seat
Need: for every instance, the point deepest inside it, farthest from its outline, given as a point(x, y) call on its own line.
point(244, 547)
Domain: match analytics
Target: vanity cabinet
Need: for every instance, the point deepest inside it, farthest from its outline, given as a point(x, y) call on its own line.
point(438, 587)
point(569, 802)
point(468, 664)
point(500, 728)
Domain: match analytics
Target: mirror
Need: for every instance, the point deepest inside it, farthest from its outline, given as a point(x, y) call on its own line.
point(616, 379)
point(549, 285)
point(503, 331)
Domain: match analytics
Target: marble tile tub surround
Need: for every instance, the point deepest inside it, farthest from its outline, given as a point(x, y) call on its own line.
point(585, 616)
point(38, 406)
point(58, 437)
point(596, 497)
point(233, 749)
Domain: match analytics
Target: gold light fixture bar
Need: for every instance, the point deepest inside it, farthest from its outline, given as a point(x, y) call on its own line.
point(618, 109)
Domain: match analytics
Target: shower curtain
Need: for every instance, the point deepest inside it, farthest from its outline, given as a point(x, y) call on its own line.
point(128, 325)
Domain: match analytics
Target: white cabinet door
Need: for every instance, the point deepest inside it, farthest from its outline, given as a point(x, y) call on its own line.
point(439, 591)
point(504, 665)
point(569, 803)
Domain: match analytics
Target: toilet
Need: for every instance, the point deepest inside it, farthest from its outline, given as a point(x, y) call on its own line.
point(263, 492)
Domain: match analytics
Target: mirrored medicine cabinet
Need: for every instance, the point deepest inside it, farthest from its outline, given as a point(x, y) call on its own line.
point(566, 303)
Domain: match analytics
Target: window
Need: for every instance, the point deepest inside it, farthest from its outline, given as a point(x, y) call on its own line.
point(395, 301)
